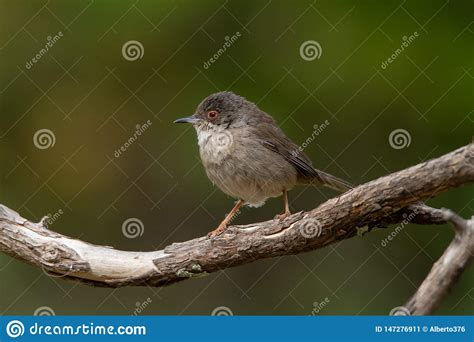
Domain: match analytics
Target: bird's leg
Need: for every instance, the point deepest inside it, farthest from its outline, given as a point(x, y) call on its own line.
point(223, 226)
point(286, 212)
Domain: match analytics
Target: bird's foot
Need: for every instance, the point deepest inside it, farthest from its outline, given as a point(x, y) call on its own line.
point(218, 231)
point(283, 215)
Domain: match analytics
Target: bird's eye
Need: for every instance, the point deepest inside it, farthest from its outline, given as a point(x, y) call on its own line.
point(212, 114)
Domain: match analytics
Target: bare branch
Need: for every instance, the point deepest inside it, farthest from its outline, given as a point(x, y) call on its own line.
point(448, 268)
point(382, 201)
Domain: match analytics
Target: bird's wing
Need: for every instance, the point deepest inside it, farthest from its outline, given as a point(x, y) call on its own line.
point(273, 138)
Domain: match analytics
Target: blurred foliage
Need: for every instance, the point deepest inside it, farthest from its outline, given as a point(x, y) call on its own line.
point(92, 98)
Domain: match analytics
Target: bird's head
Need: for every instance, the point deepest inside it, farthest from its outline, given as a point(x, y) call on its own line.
point(221, 110)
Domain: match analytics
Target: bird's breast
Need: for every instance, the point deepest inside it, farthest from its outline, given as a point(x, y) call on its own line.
point(215, 145)
point(242, 167)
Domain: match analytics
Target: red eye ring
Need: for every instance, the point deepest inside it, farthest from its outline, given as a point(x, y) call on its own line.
point(212, 114)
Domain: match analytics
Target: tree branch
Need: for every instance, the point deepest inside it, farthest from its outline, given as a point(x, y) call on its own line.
point(384, 201)
point(448, 268)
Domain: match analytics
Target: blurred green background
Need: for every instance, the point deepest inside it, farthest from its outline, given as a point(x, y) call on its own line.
point(91, 98)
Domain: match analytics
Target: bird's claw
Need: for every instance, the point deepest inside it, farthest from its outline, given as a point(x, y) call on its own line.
point(217, 231)
point(282, 216)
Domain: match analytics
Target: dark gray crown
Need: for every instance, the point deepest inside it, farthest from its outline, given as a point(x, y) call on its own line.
point(224, 101)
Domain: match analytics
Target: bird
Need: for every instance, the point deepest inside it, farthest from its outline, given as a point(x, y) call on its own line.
point(248, 156)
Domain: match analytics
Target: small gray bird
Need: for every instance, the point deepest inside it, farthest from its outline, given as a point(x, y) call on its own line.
point(248, 156)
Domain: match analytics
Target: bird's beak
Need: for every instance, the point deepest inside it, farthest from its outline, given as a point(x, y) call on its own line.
point(190, 119)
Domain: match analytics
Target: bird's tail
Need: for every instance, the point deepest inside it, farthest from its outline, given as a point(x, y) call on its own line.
point(330, 181)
